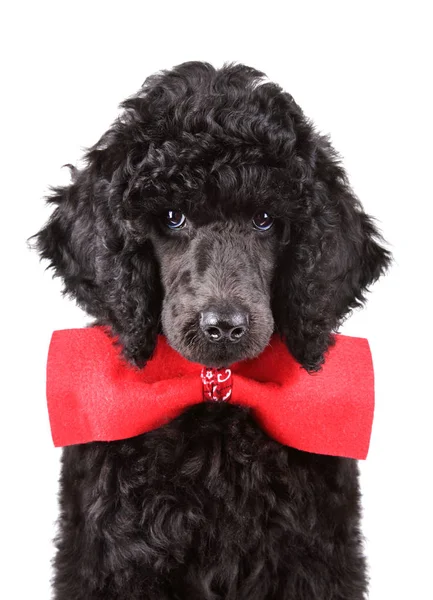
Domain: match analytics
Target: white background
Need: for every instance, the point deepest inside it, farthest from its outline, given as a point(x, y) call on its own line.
point(361, 70)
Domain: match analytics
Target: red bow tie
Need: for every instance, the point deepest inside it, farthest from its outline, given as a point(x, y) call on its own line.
point(94, 395)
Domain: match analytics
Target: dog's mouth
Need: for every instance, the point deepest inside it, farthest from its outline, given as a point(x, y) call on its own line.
point(219, 336)
point(216, 360)
point(220, 357)
point(219, 354)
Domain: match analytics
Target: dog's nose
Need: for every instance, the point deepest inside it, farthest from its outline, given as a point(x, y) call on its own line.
point(226, 324)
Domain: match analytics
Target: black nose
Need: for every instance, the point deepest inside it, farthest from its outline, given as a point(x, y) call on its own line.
point(226, 324)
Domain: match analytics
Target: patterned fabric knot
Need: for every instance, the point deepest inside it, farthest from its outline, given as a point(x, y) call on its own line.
point(217, 384)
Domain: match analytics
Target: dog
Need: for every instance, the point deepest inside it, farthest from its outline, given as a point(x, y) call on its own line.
point(212, 212)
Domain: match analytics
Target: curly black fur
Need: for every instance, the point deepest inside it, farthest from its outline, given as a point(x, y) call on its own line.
point(208, 507)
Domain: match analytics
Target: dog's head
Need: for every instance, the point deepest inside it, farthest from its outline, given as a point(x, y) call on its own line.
point(212, 211)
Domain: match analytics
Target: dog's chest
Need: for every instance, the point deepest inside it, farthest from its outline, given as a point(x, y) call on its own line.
point(210, 503)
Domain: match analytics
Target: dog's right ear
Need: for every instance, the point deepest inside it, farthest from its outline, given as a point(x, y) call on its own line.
point(69, 243)
point(112, 277)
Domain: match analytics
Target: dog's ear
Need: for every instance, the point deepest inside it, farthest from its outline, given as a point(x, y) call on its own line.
point(334, 254)
point(112, 275)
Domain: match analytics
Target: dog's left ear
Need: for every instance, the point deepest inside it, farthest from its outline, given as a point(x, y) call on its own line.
point(334, 254)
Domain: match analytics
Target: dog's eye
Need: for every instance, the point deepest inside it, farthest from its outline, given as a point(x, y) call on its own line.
point(175, 219)
point(262, 221)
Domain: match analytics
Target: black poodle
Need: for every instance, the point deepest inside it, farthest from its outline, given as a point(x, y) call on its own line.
point(213, 212)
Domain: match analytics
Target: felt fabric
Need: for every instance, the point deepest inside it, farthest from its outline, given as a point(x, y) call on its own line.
point(94, 395)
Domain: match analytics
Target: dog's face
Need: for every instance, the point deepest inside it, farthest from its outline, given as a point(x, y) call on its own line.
point(216, 278)
point(211, 211)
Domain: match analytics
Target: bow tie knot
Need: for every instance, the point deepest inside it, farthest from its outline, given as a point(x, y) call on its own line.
point(217, 384)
